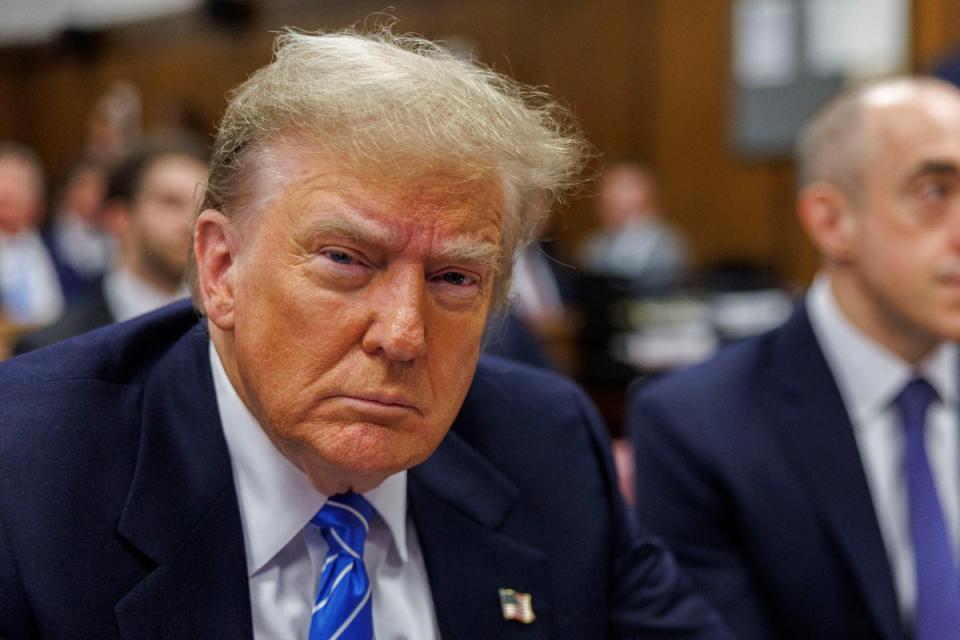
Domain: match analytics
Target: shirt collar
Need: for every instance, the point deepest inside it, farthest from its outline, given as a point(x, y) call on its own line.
point(275, 497)
point(128, 295)
point(869, 375)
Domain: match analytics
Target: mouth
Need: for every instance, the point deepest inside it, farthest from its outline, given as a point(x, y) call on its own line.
point(380, 403)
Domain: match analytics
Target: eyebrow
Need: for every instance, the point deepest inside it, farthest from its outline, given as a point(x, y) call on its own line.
point(473, 250)
point(933, 167)
point(351, 230)
point(466, 248)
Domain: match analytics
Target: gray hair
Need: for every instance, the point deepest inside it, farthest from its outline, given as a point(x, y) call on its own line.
point(402, 105)
point(835, 144)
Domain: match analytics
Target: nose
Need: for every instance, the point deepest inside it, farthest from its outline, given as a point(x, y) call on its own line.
point(397, 327)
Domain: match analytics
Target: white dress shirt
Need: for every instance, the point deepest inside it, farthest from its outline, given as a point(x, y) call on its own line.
point(28, 279)
point(869, 378)
point(285, 553)
point(128, 295)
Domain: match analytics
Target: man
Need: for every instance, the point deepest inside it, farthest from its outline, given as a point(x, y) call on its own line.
point(80, 246)
point(791, 473)
point(29, 291)
point(151, 197)
point(287, 468)
point(634, 242)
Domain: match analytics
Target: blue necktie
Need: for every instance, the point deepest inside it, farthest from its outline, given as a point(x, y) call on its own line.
point(938, 583)
point(343, 608)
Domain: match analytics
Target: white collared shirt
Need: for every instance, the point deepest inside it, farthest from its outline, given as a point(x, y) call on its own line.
point(869, 378)
point(29, 288)
point(285, 553)
point(128, 295)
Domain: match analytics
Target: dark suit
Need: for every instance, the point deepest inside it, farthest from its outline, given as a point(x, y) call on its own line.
point(747, 465)
point(119, 518)
point(87, 313)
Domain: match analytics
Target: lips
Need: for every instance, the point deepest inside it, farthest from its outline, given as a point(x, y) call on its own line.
point(379, 401)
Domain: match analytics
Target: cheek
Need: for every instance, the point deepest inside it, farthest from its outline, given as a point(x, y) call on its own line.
point(454, 347)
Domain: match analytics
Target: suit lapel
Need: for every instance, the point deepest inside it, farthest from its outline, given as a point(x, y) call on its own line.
point(818, 438)
point(181, 512)
point(460, 504)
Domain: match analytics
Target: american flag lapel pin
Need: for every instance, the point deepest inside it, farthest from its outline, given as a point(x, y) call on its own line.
point(516, 605)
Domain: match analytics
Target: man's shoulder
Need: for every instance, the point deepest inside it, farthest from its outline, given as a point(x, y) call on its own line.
point(74, 405)
point(746, 365)
point(117, 353)
point(521, 383)
point(521, 415)
point(506, 392)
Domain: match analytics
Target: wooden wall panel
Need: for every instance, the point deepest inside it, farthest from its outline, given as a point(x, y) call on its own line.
point(936, 30)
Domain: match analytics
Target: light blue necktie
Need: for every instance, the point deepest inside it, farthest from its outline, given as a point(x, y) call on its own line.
point(938, 583)
point(343, 609)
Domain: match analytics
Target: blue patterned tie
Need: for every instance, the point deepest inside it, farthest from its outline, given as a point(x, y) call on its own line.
point(343, 608)
point(938, 583)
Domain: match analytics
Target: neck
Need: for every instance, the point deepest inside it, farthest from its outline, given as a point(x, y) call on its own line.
point(155, 280)
point(879, 323)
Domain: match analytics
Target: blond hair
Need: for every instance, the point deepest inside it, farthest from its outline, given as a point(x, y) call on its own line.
point(404, 105)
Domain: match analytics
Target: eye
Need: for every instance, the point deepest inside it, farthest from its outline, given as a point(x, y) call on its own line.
point(932, 192)
point(340, 257)
point(457, 278)
point(456, 286)
point(343, 264)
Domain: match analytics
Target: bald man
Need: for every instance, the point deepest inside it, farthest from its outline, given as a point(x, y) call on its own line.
point(808, 478)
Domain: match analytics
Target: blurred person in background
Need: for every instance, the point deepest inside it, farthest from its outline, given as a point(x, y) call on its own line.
point(151, 198)
point(115, 126)
point(634, 242)
point(80, 246)
point(807, 478)
point(539, 324)
point(29, 289)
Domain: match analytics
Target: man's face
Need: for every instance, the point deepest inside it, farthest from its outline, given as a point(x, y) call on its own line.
point(906, 256)
point(358, 310)
point(84, 194)
point(19, 195)
point(627, 194)
point(160, 216)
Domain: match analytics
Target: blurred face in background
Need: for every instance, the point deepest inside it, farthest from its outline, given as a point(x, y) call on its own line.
point(20, 197)
point(628, 193)
point(156, 234)
point(84, 192)
point(350, 311)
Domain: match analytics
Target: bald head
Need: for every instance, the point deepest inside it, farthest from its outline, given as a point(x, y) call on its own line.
point(855, 126)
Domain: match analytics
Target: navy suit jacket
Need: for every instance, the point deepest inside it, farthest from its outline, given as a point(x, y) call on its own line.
point(119, 517)
point(748, 466)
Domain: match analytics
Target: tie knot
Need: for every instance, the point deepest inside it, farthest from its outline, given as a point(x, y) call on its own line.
point(914, 401)
point(345, 521)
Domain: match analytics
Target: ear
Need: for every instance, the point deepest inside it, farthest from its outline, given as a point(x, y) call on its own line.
point(214, 249)
point(830, 220)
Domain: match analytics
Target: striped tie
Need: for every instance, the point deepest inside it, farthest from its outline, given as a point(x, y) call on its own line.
point(343, 608)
